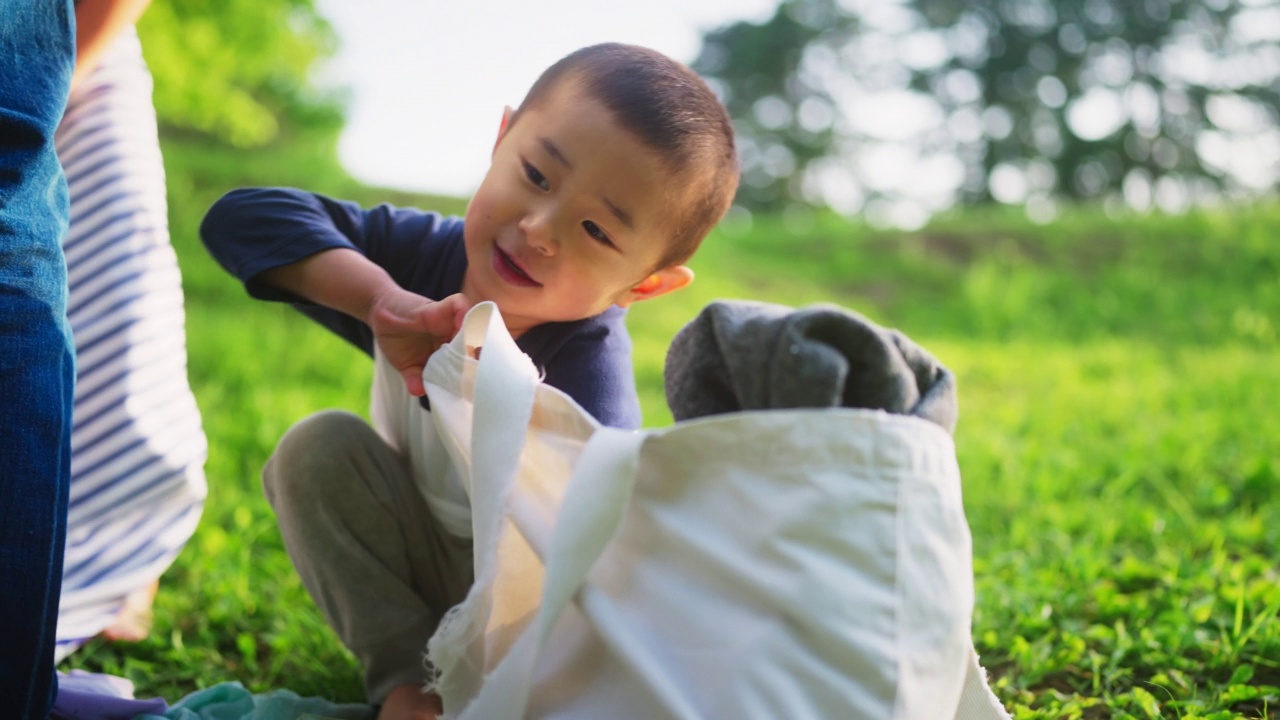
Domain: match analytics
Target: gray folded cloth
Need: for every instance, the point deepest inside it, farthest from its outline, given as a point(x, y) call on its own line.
point(739, 355)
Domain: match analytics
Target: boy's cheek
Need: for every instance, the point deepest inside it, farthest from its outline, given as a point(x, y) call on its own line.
point(481, 206)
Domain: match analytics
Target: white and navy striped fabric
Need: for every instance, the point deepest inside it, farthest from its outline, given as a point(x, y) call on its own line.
point(137, 446)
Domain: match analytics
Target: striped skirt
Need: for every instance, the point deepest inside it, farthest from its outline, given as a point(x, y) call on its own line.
point(137, 447)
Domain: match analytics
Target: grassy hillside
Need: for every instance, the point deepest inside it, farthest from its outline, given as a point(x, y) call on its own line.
point(1119, 438)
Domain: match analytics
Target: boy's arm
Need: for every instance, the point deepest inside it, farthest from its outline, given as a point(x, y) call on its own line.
point(406, 326)
point(291, 245)
point(252, 230)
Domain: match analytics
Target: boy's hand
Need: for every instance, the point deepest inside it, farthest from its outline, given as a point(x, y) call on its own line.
point(408, 328)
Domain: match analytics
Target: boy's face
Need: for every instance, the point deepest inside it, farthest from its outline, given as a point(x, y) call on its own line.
point(571, 217)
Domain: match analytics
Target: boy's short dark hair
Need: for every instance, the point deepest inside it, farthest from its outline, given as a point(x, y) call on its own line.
point(672, 110)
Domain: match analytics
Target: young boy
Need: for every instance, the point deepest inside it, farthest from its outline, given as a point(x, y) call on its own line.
point(604, 181)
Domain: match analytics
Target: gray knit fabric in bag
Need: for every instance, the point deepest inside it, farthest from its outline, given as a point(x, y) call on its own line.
point(739, 355)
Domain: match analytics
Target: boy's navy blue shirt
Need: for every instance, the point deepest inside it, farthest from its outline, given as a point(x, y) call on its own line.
point(250, 231)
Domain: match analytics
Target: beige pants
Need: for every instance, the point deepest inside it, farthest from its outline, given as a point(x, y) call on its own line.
point(365, 544)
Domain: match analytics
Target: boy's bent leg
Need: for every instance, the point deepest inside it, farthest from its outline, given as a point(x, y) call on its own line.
point(365, 544)
point(36, 365)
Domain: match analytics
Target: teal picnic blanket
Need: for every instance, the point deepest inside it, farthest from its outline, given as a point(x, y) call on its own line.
point(231, 701)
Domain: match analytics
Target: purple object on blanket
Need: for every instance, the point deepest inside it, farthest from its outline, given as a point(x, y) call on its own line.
point(90, 696)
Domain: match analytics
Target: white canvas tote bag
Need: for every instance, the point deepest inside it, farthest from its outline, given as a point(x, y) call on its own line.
point(797, 563)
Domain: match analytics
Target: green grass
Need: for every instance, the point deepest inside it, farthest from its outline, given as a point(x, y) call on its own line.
point(1119, 439)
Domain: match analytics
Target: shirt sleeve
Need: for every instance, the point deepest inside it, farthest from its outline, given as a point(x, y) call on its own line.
point(252, 230)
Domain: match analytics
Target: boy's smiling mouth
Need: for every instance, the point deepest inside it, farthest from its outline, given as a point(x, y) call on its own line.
point(510, 270)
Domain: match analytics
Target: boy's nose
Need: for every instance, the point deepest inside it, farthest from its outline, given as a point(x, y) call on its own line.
point(538, 233)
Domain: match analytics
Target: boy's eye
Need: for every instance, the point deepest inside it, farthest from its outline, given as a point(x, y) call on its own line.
point(594, 231)
point(535, 177)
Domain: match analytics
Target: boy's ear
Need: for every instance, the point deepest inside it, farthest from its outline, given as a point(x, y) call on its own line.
point(659, 283)
point(502, 129)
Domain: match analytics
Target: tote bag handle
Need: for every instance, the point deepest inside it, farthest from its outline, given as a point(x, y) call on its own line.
point(506, 384)
point(505, 390)
point(600, 487)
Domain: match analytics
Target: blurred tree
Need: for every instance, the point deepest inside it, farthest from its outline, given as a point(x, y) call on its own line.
point(1165, 101)
point(784, 117)
point(238, 70)
point(1093, 97)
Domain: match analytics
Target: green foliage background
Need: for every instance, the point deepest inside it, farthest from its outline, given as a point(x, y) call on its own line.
point(1006, 75)
point(238, 70)
point(1118, 432)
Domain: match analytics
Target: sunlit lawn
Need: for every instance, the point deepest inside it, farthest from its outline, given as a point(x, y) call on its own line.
point(1119, 439)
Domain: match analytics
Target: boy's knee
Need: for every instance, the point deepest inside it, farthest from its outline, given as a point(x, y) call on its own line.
point(313, 452)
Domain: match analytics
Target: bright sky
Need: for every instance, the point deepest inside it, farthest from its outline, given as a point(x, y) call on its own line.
point(430, 78)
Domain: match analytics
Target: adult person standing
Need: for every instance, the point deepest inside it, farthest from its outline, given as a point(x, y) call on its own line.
point(137, 446)
point(37, 368)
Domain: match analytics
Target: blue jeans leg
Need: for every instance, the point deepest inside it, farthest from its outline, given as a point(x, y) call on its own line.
point(37, 49)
